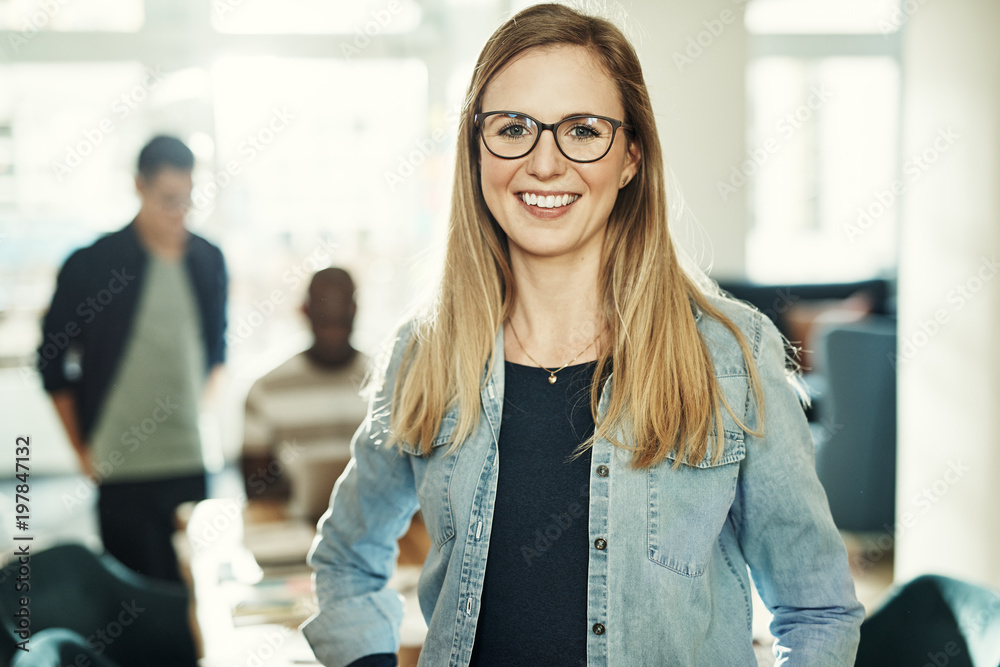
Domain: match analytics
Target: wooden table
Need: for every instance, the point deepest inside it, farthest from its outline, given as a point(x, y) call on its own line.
point(251, 587)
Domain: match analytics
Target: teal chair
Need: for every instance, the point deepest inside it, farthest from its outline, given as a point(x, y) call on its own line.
point(56, 647)
point(933, 620)
point(8, 646)
point(856, 447)
point(122, 617)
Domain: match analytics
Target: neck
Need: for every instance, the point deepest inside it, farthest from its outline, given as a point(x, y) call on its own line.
point(328, 358)
point(167, 245)
point(556, 314)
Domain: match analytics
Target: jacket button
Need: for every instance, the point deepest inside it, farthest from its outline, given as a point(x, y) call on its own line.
point(601, 543)
point(602, 471)
point(598, 628)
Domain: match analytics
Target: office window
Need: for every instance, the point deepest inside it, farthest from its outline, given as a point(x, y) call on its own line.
point(365, 19)
point(69, 136)
point(26, 17)
point(341, 158)
point(67, 132)
point(822, 16)
point(317, 162)
point(822, 167)
point(314, 137)
point(825, 135)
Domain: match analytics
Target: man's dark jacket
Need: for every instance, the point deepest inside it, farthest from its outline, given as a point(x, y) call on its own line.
point(94, 306)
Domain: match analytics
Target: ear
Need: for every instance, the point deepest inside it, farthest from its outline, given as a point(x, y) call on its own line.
point(139, 183)
point(631, 167)
point(304, 309)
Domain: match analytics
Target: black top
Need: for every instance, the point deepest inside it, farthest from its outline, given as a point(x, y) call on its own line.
point(534, 603)
point(376, 660)
point(94, 306)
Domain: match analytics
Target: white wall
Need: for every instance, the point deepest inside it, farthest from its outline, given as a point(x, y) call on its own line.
point(949, 396)
point(694, 59)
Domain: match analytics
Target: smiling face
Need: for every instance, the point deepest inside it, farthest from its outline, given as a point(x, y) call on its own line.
point(548, 205)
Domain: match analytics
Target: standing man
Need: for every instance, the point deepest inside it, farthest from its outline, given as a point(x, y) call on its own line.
point(138, 319)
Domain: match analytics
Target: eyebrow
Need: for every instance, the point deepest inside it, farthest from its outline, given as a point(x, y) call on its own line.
point(563, 117)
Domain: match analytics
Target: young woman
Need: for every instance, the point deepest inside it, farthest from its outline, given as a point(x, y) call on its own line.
point(599, 443)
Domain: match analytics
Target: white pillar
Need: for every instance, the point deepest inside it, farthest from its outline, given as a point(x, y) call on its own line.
point(694, 58)
point(948, 493)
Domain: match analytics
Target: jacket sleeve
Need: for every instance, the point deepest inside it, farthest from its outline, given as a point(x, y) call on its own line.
point(355, 552)
point(797, 558)
point(61, 326)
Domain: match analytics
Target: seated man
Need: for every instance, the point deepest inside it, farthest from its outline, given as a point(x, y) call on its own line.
point(300, 417)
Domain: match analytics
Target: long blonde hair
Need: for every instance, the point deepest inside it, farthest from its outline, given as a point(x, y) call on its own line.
point(664, 386)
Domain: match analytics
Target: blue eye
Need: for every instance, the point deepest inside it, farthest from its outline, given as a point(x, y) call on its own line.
point(513, 130)
point(583, 131)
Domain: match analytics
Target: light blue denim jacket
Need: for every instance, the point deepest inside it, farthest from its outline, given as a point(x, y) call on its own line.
point(671, 586)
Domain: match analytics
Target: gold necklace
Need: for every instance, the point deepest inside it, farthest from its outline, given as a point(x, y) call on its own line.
point(552, 373)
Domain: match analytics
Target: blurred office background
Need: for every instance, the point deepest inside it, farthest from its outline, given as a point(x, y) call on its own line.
point(811, 142)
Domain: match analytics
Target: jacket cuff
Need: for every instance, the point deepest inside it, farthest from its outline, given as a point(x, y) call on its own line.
point(355, 628)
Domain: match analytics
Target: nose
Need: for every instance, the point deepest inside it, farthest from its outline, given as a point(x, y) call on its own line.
point(545, 160)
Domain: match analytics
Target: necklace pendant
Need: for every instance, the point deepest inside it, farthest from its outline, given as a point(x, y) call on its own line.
point(552, 379)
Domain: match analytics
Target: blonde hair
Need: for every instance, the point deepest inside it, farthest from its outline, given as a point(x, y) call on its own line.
point(664, 385)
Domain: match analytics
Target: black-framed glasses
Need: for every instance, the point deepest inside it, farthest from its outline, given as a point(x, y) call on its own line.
point(511, 135)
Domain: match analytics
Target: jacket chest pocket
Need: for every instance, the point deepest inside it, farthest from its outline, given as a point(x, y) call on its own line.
point(432, 476)
point(688, 506)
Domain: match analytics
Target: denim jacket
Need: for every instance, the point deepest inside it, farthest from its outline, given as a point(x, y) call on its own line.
point(669, 583)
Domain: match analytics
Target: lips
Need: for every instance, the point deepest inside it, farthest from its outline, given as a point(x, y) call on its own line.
point(548, 201)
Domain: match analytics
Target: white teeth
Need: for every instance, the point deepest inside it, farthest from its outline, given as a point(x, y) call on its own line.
point(548, 201)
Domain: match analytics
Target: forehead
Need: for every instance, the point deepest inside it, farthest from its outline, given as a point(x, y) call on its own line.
point(552, 83)
point(330, 305)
